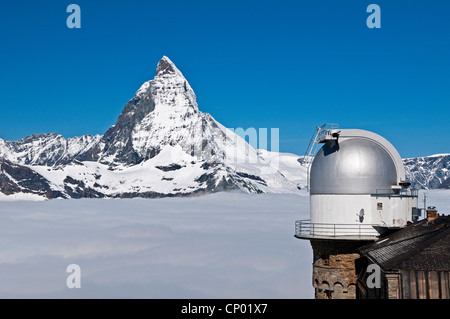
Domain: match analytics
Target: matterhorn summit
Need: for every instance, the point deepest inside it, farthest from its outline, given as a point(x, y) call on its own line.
point(161, 145)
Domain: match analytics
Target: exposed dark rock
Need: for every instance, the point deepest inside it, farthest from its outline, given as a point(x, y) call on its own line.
point(165, 67)
point(207, 165)
point(428, 172)
point(205, 177)
point(445, 184)
point(78, 192)
point(16, 178)
point(73, 181)
point(171, 167)
point(253, 177)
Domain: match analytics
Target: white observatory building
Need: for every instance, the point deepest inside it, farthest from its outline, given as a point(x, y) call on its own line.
point(358, 190)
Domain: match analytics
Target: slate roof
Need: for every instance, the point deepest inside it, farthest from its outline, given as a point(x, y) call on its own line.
point(422, 245)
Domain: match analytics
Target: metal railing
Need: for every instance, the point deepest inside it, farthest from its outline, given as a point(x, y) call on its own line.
point(325, 128)
point(313, 145)
point(306, 229)
point(397, 192)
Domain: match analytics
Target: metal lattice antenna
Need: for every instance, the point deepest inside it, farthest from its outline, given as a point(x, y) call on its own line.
point(310, 152)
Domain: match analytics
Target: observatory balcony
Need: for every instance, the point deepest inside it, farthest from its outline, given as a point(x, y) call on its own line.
point(304, 229)
point(396, 193)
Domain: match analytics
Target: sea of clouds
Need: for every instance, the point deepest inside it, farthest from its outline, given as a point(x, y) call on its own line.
point(225, 245)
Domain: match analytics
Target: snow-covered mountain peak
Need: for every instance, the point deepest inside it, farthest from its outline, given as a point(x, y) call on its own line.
point(166, 66)
point(161, 145)
point(163, 112)
point(46, 149)
point(169, 89)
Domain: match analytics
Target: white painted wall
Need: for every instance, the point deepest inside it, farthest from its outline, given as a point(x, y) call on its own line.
point(342, 210)
point(394, 212)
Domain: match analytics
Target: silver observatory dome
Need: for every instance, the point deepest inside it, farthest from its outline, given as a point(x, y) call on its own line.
point(352, 166)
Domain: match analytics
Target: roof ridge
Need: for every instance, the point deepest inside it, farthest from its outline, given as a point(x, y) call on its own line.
point(394, 242)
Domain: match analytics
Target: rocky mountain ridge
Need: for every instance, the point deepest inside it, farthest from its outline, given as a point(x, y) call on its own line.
point(429, 172)
point(161, 145)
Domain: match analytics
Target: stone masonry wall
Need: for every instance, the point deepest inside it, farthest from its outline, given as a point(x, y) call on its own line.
point(334, 273)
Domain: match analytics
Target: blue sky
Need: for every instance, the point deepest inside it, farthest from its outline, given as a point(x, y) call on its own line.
point(290, 65)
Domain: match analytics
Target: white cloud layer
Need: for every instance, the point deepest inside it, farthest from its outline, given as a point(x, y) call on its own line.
point(226, 245)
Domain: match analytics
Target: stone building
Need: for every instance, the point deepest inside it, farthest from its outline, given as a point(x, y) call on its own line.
point(414, 262)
